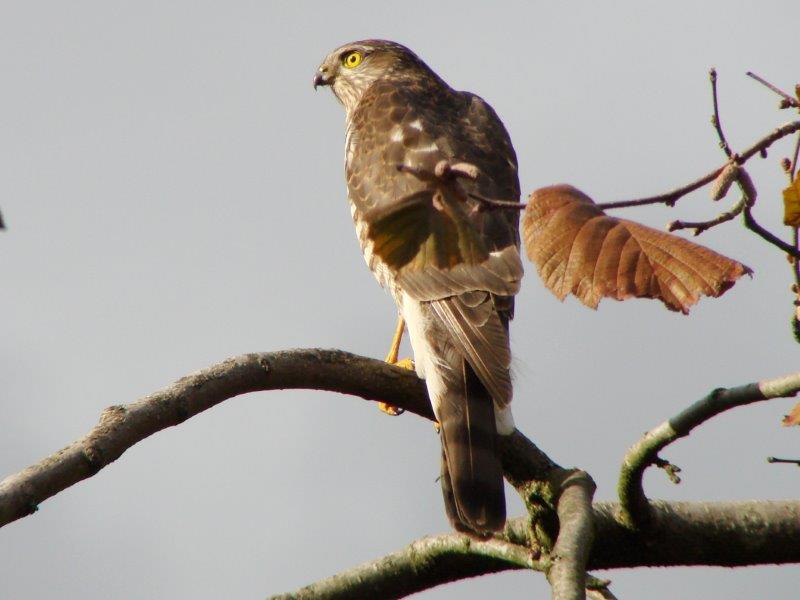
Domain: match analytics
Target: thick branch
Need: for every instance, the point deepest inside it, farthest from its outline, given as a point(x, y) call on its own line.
point(729, 534)
point(725, 534)
point(635, 510)
point(680, 533)
point(571, 552)
point(424, 564)
point(121, 427)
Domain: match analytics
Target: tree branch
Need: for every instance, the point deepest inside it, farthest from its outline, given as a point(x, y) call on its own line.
point(121, 427)
point(571, 552)
point(635, 510)
point(729, 534)
point(793, 164)
point(749, 195)
point(715, 120)
point(670, 198)
point(701, 226)
point(751, 224)
point(787, 100)
point(423, 564)
point(723, 534)
point(788, 461)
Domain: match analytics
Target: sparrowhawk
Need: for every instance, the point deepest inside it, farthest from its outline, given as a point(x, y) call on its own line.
point(452, 266)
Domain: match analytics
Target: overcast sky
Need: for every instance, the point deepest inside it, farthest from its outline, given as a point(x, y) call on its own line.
point(173, 192)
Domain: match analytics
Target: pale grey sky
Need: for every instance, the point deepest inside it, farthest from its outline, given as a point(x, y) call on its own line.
point(174, 195)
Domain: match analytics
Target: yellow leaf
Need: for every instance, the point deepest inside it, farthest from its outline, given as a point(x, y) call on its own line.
point(791, 203)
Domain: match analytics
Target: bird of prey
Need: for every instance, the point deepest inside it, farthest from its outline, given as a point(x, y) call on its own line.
point(420, 160)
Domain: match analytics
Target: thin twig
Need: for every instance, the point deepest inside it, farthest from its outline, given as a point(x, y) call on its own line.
point(446, 173)
point(767, 141)
point(788, 100)
point(751, 223)
point(634, 506)
point(715, 120)
point(494, 204)
point(796, 262)
point(701, 226)
point(670, 198)
point(791, 461)
point(749, 197)
point(793, 165)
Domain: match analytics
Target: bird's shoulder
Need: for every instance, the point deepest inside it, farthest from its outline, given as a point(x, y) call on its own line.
point(419, 122)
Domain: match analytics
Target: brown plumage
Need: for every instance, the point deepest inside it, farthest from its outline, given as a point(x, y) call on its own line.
point(452, 269)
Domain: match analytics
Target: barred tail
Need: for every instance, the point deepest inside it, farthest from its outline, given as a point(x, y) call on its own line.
point(472, 475)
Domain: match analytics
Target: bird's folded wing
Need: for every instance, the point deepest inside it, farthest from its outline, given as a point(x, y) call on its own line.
point(500, 273)
point(479, 334)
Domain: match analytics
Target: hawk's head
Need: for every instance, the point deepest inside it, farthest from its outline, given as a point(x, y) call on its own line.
point(352, 68)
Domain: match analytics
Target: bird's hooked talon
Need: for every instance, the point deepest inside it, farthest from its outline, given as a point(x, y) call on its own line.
point(406, 363)
point(391, 410)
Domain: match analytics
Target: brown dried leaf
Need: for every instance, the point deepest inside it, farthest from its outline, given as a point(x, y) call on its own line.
point(578, 249)
point(793, 418)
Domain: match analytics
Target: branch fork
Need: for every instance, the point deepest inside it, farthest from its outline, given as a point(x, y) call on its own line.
point(635, 510)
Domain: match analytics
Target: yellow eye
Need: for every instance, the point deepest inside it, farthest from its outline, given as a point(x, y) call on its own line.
point(352, 59)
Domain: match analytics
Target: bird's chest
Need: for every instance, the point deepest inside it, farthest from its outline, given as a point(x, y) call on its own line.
point(360, 178)
point(382, 272)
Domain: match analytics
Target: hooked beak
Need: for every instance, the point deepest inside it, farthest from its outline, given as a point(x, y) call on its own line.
point(322, 77)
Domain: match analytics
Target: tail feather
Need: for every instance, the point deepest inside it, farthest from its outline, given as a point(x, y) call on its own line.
point(472, 475)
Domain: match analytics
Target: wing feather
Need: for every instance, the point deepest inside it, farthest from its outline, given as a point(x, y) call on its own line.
point(481, 337)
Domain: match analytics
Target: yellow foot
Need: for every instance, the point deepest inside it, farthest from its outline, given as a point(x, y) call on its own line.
point(406, 363)
point(390, 409)
point(391, 358)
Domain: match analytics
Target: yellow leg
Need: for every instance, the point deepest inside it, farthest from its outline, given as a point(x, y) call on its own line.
point(406, 363)
point(394, 349)
point(391, 358)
